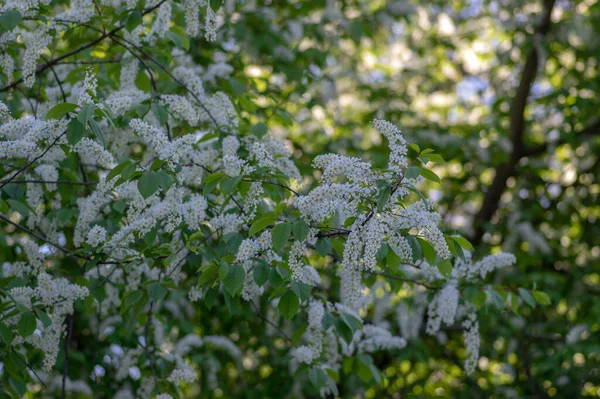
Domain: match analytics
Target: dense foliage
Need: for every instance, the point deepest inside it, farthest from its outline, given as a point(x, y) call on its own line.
point(214, 199)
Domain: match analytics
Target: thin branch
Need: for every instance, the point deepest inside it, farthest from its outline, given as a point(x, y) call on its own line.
point(148, 354)
point(39, 237)
point(67, 352)
point(33, 161)
point(404, 279)
point(28, 366)
point(279, 330)
point(508, 169)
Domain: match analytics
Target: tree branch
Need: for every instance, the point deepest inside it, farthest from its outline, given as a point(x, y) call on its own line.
point(508, 169)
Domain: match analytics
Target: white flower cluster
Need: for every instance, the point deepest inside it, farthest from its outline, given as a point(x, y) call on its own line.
point(472, 341)
point(442, 308)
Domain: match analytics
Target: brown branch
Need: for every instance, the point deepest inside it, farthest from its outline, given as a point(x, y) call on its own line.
point(508, 169)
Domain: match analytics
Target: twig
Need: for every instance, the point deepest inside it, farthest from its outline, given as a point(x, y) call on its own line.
point(279, 330)
point(148, 354)
point(28, 366)
point(67, 352)
point(33, 161)
point(407, 280)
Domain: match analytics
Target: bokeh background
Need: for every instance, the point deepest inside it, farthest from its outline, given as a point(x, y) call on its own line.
point(506, 91)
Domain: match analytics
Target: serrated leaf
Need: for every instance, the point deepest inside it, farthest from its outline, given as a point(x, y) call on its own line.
point(261, 273)
point(227, 185)
point(19, 207)
point(75, 131)
point(463, 242)
point(43, 316)
point(527, 297)
point(496, 298)
point(430, 175)
point(323, 246)
point(280, 235)
point(26, 325)
point(6, 334)
point(300, 230)
point(86, 114)
point(261, 224)
point(288, 304)
point(542, 298)
point(160, 113)
point(414, 147)
point(412, 172)
point(11, 19)
point(234, 280)
point(133, 20)
point(302, 290)
point(157, 291)
point(208, 274)
point(259, 130)
point(117, 170)
point(59, 110)
point(148, 184)
point(383, 198)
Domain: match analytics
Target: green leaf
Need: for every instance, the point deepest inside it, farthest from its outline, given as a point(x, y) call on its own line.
point(542, 298)
point(165, 180)
point(6, 334)
point(415, 148)
point(261, 273)
point(133, 20)
point(59, 110)
point(323, 246)
point(98, 132)
point(280, 235)
point(497, 299)
point(302, 290)
point(157, 291)
point(317, 377)
point(43, 316)
point(208, 274)
point(216, 4)
point(412, 172)
point(300, 230)
point(527, 297)
point(384, 195)
point(148, 184)
point(19, 207)
point(142, 82)
point(160, 113)
point(343, 330)
point(261, 224)
point(463, 242)
point(479, 299)
point(26, 325)
point(429, 175)
point(234, 280)
point(10, 19)
point(75, 131)
point(415, 247)
point(131, 298)
point(228, 185)
point(289, 304)
point(86, 114)
point(117, 170)
point(259, 130)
